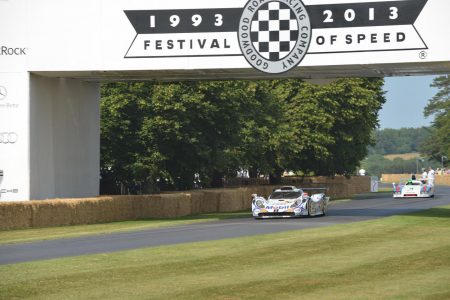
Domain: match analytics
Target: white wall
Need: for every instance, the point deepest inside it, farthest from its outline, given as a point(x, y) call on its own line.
point(64, 138)
point(14, 136)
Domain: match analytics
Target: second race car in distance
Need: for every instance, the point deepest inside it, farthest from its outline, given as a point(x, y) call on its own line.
point(413, 189)
point(290, 202)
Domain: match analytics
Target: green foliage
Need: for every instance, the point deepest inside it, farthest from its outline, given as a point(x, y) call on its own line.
point(169, 132)
point(357, 102)
point(328, 127)
point(399, 141)
point(377, 164)
point(438, 144)
point(123, 155)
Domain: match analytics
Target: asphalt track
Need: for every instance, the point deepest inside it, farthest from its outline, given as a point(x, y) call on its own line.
point(362, 208)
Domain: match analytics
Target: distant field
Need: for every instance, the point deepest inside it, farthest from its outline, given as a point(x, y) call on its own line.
point(400, 257)
point(405, 156)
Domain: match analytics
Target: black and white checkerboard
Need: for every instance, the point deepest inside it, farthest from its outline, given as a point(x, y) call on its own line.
point(274, 30)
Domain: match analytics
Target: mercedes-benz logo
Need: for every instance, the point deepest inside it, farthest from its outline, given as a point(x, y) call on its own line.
point(3, 92)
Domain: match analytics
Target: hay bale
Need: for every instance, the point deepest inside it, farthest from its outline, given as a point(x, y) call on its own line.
point(175, 205)
point(210, 201)
point(15, 215)
point(246, 197)
point(80, 211)
point(443, 179)
point(229, 200)
point(197, 199)
point(52, 212)
point(145, 206)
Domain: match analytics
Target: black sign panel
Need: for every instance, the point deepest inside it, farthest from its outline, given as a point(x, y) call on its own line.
point(388, 13)
point(185, 21)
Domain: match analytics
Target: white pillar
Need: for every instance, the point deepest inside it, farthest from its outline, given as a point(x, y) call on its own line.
point(64, 138)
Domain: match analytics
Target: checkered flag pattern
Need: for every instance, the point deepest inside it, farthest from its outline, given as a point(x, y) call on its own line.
point(274, 30)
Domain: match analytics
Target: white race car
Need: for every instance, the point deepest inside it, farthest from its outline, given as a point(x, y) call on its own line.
point(413, 189)
point(289, 202)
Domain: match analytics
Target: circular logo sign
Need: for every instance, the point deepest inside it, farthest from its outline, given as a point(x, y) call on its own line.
point(274, 36)
point(3, 92)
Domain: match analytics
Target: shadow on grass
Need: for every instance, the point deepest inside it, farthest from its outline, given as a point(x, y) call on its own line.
point(372, 195)
point(435, 212)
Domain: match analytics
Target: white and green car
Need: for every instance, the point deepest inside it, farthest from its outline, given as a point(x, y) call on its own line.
point(413, 189)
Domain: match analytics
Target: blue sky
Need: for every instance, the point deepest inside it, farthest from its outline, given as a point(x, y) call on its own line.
point(406, 99)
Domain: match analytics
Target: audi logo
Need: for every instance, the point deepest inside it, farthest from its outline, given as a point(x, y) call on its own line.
point(8, 137)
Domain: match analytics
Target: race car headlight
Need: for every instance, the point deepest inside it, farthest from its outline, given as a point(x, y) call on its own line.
point(259, 203)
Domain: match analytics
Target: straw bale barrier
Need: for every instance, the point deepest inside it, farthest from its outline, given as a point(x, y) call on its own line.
point(61, 212)
point(438, 179)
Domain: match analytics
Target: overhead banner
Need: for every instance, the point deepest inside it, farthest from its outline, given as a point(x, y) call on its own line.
point(274, 36)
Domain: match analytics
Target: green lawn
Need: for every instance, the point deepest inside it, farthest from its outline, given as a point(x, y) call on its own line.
point(35, 234)
point(400, 257)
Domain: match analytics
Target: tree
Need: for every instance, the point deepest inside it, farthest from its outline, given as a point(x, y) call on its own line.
point(438, 144)
point(177, 130)
point(328, 128)
point(123, 156)
point(257, 144)
point(358, 102)
point(157, 133)
point(399, 141)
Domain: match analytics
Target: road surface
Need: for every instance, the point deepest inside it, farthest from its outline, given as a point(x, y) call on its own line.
point(363, 208)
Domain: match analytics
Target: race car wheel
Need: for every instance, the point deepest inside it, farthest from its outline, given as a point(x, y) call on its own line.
point(324, 210)
point(309, 209)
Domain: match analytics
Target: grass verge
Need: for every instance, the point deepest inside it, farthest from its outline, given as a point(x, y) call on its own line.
point(36, 234)
point(400, 257)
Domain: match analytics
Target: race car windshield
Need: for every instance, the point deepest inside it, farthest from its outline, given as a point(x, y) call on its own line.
point(285, 195)
point(413, 183)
